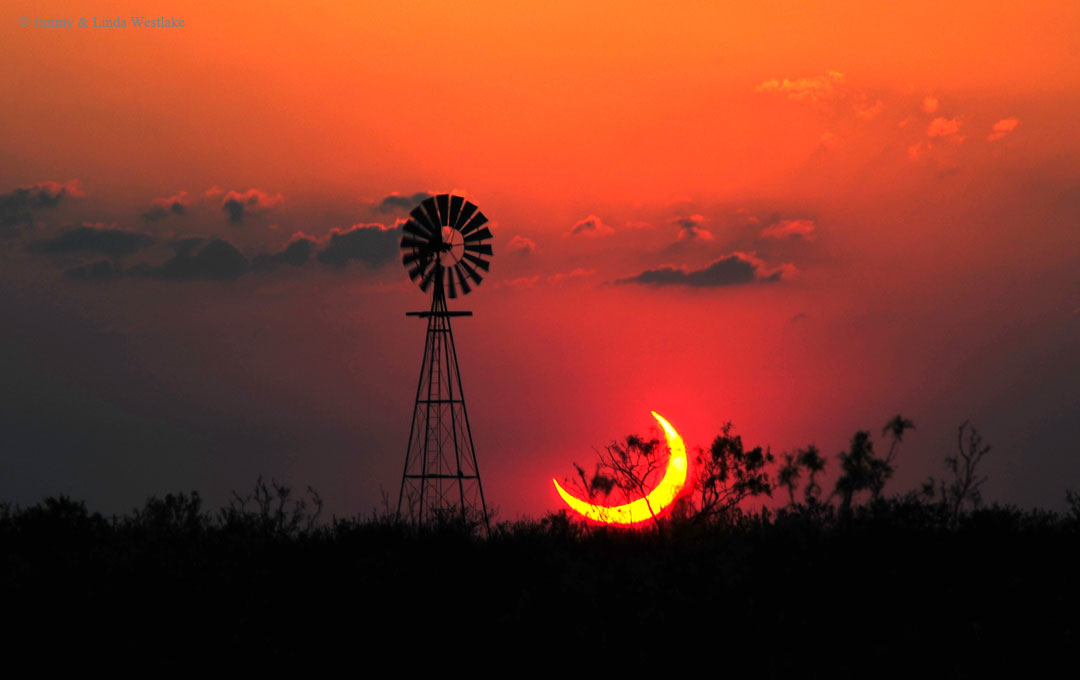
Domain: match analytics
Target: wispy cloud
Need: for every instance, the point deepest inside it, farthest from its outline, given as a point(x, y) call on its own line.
point(1002, 128)
point(396, 202)
point(690, 228)
point(237, 205)
point(790, 229)
point(521, 245)
point(18, 205)
point(943, 127)
point(812, 89)
point(373, 244)
point(730, 270)
point(160, 208)
point(591, 226)
point(115, 242)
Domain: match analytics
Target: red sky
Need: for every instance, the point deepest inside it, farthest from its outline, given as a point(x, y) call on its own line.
point(909, 175)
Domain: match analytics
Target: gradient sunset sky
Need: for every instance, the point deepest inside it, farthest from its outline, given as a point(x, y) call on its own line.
point(801, 217)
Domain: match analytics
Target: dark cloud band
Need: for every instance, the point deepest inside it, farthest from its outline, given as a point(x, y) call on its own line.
point(731, 270)
point(115, 242)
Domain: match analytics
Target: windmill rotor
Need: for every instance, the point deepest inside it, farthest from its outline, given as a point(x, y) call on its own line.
point(445, 242)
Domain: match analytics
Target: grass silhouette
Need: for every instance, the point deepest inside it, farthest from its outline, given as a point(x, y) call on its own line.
point(918, 582)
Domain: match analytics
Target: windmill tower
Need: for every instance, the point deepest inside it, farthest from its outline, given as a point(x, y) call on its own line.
point(444, 246)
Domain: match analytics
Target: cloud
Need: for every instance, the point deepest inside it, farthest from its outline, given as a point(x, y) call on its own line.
point(17, 205)
point(237, 205)
point(695, 234)
point(690, 228)
point(590, 226)
point(296, 253)
point(218, 260)
point(803, 229)
point(941, 127)
point(688, 222)
point(747, 216)
point(115, 242)
point(868, 111)
point(813, 89)
point(1002, 128)
point(730, 270)
point(196, 258)
point(160, 208)
point(577, 273)
point(395, 202)
point(521, 245)
point(930, 103)
point(102, 270)
point(373, 244)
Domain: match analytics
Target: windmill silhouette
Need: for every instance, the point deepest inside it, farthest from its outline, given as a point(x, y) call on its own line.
point(444, 248)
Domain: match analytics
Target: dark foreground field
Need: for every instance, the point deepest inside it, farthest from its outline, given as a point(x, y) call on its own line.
point(898, 584)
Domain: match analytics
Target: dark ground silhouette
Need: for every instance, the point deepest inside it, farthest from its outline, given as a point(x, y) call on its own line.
point(916, 583)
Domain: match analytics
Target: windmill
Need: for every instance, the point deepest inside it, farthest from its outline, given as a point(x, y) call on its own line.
point(445, 246)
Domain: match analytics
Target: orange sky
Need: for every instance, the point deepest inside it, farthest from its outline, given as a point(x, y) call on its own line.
point(911, 171)
point(517, 99)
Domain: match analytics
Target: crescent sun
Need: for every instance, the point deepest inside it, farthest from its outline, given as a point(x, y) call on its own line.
point(643, 508)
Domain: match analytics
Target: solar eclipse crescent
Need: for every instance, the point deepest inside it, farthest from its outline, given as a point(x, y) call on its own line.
point(647, 507)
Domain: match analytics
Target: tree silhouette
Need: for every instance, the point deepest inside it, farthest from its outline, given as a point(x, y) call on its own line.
point(789, 474)
point(632, 467)
point(810, 459)
point(720, 479)
point(963, 488)
point(860, 470)
point(895, 428)
point(274, 512)
point(727, 474)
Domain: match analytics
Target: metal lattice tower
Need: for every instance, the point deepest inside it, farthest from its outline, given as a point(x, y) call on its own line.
point(444, 246)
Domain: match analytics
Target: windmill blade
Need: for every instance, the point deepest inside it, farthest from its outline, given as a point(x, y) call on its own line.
point(409, 258)
point(426, 282)
point(433, 214)
point(478, 235)
point(415, 229)
point(455, 209)
point(422, 219)
point(471, 272)
point(477, 221)
point(450, 282)
point(410, 242)
point(481, 248)
point(443, 202)
point(465, 289)
point(416, 271)
point(466, 213)
point(479, 262)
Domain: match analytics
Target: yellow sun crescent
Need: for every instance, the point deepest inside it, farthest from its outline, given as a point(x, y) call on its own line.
point(643, 508)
